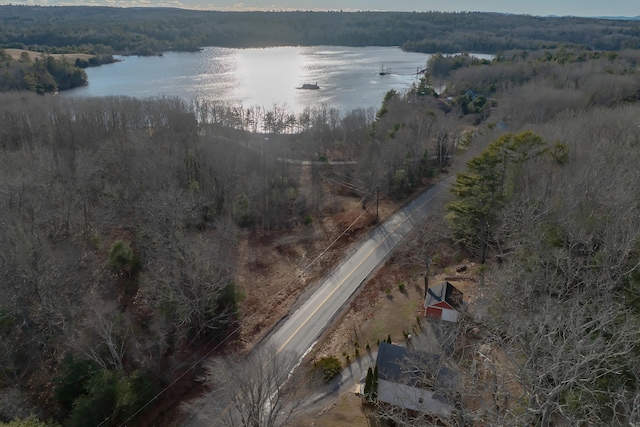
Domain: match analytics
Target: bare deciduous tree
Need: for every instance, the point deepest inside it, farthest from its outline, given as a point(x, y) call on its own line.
point(566, 310)
point(189, 279)
point(106, 337)
point(262, 389)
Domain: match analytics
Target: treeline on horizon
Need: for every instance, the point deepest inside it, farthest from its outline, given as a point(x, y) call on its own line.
point(147, 31)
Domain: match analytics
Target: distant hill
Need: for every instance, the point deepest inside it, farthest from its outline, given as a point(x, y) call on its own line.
point(148, 31)
point(621, 18)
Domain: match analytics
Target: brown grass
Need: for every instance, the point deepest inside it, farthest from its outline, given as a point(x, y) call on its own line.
point(346, 411)
point(276, 266)
point(379, 310)
point(15, 54)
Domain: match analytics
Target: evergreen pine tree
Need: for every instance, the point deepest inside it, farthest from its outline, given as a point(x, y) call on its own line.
point(368, 383)
point(374, 385)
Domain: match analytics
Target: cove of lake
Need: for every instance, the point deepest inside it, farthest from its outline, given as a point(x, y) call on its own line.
point(348, 77)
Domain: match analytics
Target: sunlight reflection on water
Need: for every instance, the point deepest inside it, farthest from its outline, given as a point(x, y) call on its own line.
point(348, 76)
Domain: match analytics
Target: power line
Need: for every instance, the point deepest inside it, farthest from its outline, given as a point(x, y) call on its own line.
point(175, 369)
point(179, 377)
point(194, 365)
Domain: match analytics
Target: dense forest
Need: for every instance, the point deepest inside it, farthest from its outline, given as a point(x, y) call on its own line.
point(46, 74)
point(150, 31)
point(153, 30)
point(118, 215)
point(547, 203)
point(120, 218)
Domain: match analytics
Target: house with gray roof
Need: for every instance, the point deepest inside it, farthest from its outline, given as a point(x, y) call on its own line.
point(414, 380)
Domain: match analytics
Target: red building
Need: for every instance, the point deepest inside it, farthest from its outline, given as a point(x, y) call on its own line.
point(443, 301)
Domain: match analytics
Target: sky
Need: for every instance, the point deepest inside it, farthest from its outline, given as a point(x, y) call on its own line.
point(530, 7)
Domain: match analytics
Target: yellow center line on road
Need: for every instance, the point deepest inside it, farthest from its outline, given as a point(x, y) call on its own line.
point(228, 407)
point(351, 273)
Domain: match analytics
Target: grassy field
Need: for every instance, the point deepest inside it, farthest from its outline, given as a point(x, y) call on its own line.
point(383, 308)
point(15, 54)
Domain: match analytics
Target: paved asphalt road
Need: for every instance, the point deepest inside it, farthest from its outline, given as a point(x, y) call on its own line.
point(300, 330)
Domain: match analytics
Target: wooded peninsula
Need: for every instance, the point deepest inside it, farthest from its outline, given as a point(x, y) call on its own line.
point(134, 232)
point(105, 31)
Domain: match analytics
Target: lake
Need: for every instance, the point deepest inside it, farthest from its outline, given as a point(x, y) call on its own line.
point(348, 77)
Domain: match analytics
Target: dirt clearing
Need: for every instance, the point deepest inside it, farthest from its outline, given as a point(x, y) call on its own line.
point(276, 266)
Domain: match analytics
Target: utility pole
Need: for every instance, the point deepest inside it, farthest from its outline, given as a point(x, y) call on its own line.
point(377, 202)
point(426, 276)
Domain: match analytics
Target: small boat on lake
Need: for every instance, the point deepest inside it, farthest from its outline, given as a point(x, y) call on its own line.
point(384, 71)
point(310, 86)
